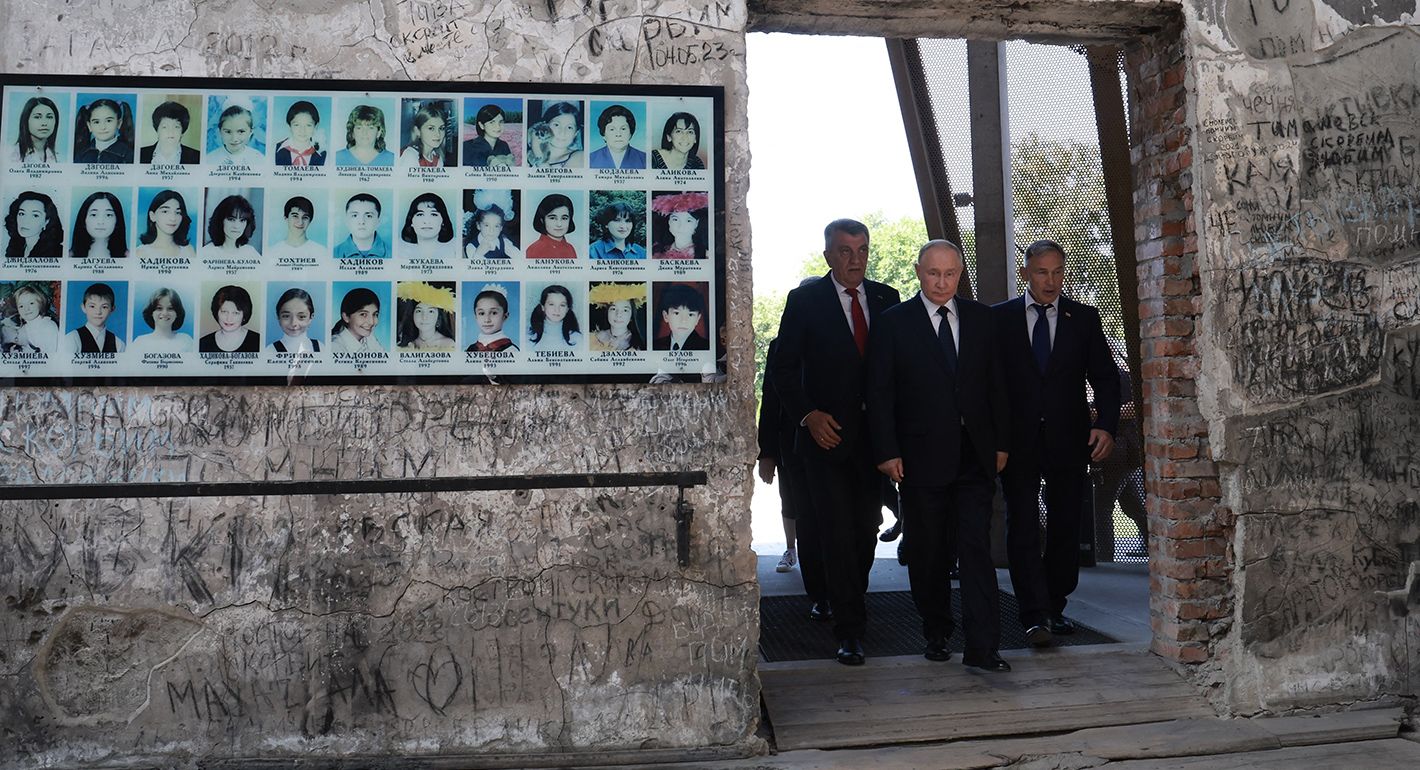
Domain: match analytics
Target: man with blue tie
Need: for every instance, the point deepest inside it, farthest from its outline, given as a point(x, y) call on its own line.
point(819, 374)
point(1052, 345)
point(939, 420)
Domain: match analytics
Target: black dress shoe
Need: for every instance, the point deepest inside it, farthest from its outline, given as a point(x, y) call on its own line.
point(901, 554)
point(985, 661)
point(821, 611)
point(937, 649)
point(1038, 636)
point(850, 652)
point(1061, 625)
point(890, 534)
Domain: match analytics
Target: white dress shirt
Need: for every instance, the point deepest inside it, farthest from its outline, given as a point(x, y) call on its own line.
point(844, 300)
point(1050, 317)
point(952, 318)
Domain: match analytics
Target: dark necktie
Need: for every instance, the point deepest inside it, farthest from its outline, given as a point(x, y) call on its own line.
point(860, 322)
point(1040, 337)
point(944, 338)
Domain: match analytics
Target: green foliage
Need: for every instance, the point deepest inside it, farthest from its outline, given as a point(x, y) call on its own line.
point(767, 310)
point(893, 250)
point(1057, 189)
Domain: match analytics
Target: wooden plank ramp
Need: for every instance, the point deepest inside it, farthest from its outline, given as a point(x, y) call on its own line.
point(1360, 739)
point(823, 705)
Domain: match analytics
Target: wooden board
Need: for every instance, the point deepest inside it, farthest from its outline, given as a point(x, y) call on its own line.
point(1393, 754)
point(1190, 743)
point(820, 704)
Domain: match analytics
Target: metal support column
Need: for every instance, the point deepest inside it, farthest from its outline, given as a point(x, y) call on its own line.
point(924, 144)
point(991, 170)
point(1119, 194)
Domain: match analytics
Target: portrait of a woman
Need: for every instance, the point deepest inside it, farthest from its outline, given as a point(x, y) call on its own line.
point(231, 309)
point(426, 316)
point(618, 316)
point(231, 226)
point(170, 122)
point(553, 220)
point(33, 329)
point(428, 228)
point(365, 139)
point(99, 229)
point(168, 228)
point(488, 148)
point(164, 314)
point(490, 311)
point(553, 324)
point(678, 225)
point(680, 144)
point(428, 138)
point(33, 227)
point(39, 127)
point(621, 234)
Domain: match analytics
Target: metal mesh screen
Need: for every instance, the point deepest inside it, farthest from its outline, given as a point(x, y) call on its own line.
point(944, 69)
point(1058, 192)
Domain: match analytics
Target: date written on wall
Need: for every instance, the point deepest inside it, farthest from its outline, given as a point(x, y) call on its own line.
point(676, 43)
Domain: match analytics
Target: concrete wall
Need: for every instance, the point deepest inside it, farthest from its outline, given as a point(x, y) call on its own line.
point(490, 624)
point(1307, 170)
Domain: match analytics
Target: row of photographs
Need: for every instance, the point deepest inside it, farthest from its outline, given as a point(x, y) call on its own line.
point(143, 322)
point(307, 225)
point(247, 129)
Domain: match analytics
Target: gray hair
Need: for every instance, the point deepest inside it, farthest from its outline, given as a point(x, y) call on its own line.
point(940, 242)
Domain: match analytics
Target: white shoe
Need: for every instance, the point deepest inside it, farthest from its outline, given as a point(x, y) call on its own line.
point(787, 561)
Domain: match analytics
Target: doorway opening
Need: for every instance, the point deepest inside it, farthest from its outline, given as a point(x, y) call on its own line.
point(1054, 182)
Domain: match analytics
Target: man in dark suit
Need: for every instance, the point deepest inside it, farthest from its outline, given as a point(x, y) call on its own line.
point(1051, 345)
point(819, 374)
point(776, 453)
point(939, 421)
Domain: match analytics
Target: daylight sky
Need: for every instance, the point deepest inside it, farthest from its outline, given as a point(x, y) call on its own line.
point(827, 140)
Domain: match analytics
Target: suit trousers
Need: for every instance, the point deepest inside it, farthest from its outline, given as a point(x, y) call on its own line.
point(794, 494)
point(847, 509)
point(1042, 584)
point(943, 524)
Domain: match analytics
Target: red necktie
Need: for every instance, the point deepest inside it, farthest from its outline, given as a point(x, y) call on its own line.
point(860, 323)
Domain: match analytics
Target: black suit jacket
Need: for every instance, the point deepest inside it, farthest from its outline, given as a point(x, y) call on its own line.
point(917, 406)
point(776, 429)
point(1050, 414)
point(693, 341)
point(187, 155)
point(818, 364)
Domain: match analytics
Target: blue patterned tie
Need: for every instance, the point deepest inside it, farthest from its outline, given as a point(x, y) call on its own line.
point(944, 338)
point(1040, 337)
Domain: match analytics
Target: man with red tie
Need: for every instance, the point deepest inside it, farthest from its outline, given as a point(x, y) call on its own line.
point(820, 377)
point(1051, 346)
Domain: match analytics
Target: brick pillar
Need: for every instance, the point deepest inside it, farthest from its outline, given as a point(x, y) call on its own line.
point(1189, 561)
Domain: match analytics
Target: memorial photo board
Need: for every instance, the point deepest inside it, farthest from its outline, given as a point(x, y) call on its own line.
point(194, 231)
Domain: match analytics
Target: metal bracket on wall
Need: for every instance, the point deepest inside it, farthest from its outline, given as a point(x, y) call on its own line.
point(684, 515)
